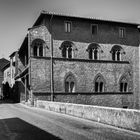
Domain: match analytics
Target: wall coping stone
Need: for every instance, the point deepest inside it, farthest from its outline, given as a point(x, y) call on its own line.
point(119, 117)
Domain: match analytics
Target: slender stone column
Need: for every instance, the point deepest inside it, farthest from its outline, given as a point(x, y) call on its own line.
point(67, 54)
point(37, 51)
point(26, 89)
point(120, 56)
point(116, 55)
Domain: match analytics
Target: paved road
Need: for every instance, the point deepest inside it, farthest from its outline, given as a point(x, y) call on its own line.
point(18, 122)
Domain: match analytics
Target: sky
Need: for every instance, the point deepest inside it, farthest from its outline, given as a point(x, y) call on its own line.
point(16, 16)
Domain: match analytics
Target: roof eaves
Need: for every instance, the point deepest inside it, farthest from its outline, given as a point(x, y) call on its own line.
point(90, 18)
point(6, 66)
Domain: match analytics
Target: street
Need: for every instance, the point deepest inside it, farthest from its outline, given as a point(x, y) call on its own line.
point(18, 122)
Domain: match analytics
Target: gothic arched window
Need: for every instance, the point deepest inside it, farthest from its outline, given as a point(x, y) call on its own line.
point(94, 51)
point(38, 47)
point(99, 84)
point(123, 84)
point(117, 53)
point(67, 48)
point(70, 84)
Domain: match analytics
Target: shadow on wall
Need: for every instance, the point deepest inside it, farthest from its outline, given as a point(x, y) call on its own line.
point(10, 94)
point(6, 101)
point(21, 130)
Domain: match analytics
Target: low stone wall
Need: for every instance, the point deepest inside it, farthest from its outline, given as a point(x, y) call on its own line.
point(118, 100)
point(123, 118)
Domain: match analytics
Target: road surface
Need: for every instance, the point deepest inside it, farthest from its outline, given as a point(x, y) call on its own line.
point(18, 122)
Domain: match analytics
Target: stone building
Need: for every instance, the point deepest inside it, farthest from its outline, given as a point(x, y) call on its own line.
point(9, 70)
point(3, 63)
point(81, 60)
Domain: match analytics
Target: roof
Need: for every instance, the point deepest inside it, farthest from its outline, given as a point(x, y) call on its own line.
point(43, 12)
point(5, 66)
point(3, 63)
point(13, 54)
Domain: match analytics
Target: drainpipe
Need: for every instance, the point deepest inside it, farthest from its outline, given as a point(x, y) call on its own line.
point(138, 98)
point(25, 89)
point(29, 64)
point(52, 80)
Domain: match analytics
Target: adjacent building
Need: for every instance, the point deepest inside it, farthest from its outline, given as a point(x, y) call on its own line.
point(3, 62)
point(80, 60)
point(9, 70)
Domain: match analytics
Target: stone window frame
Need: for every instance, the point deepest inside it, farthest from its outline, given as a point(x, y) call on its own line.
point(122, 32)
point(92, 49)
point(40, 47)
point(65, 49)
point(102, 80)
point(67, 29)
point(70, 74)
point(123, 81)
point(117, 53)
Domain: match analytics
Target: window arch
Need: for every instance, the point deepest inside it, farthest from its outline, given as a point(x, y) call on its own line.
point(123, 84)
point(70, 83)
point(68, 49)
point(99, 83)
point(38, 47)
point(94, 51)
point(117, 53)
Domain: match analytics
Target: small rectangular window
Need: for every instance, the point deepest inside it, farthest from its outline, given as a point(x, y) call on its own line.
point(68, 26)
point(94, 29)
point(121, 32)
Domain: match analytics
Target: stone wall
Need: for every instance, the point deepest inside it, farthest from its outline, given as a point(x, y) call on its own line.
point(108, 32)
point(136, 77)
point(85, 74)
point(119, 100)
point(41, 33)
point(123, 118)
point(1, 78)
point(40, 75)
point(81, 53)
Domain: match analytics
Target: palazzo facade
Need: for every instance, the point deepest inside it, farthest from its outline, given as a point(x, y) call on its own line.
point(81, 60)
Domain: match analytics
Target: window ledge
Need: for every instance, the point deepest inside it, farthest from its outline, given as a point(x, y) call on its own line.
point(82, 60)
point(82, 93)
point(94, 93)
point(92, 61)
